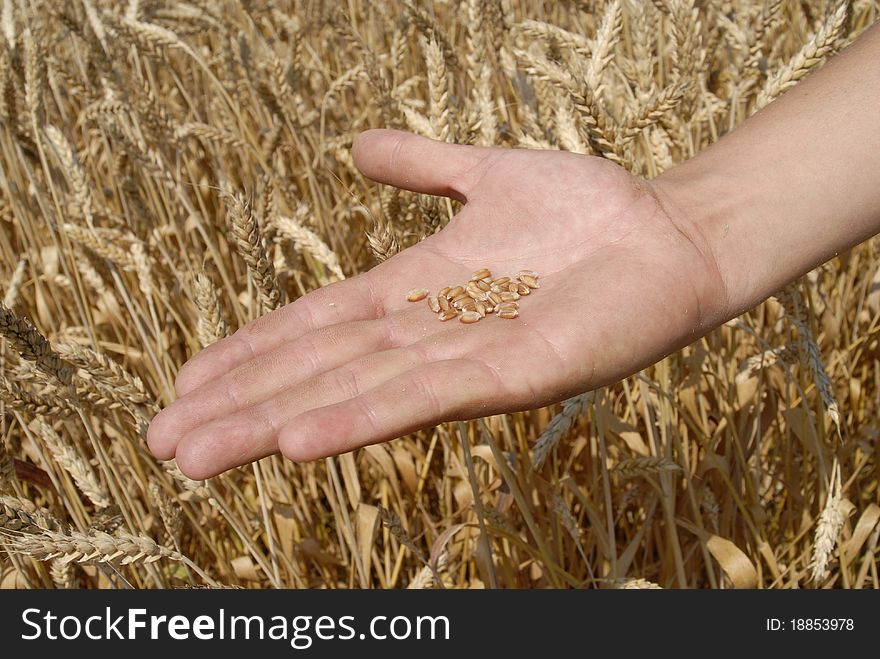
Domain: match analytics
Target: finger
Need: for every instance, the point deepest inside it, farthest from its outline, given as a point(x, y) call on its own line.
point(349, 300)
point(417, 163)
point(420, 398)
point(252, 432)
point(273, 371)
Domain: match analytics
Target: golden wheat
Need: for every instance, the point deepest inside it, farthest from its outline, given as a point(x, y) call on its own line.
point(172, 170)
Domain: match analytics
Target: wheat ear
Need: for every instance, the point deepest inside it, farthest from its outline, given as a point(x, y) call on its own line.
point(249, 243)
point(558, 426)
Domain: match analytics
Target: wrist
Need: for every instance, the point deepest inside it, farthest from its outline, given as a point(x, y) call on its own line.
point(699, 214)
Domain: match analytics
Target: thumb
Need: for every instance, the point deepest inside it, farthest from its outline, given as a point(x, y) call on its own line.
point(417, 163)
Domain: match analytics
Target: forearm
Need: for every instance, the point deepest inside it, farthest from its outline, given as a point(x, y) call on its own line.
point(793, 186)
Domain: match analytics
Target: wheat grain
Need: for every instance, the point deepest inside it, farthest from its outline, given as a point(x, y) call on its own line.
point(417, 294)
point(482, 273)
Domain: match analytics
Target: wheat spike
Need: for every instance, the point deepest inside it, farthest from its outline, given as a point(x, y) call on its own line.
point(7, 469)
point(10, 298)
point(814, 52)
point(603, 51)
point(594, 126)
point(21, 515)
point(69, 459)
point(168, 511)
point(635, 584)
point(808, 351)
point(32, 345)
point(828, 528)
point(558, 426)
point(438, 90)
point(306, 240)
point(643, 466)
point(45, 403)
point(392, 522)
point(249, 243)
point(210, 326)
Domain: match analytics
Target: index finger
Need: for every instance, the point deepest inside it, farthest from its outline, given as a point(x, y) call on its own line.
point(344, 301)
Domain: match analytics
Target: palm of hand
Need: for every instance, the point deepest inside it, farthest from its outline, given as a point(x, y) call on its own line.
point(355, 363)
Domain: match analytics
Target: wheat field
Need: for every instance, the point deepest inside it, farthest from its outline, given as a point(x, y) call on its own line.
point(172, 170)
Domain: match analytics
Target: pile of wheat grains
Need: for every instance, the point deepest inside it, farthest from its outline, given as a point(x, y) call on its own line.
point(479, 297)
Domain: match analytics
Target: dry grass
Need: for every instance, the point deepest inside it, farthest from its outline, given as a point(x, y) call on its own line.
point(170, 170)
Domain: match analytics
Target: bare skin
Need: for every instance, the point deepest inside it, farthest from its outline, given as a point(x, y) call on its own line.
point(630, 271)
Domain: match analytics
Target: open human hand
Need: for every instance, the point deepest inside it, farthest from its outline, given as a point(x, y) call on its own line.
point(625, 279)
